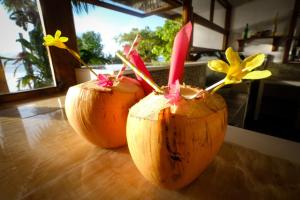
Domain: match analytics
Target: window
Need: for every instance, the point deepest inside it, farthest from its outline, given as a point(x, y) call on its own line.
point(24, 64)
point(211, 25)
point(51, 15)
point(219, 14)
point(207, 38)
point(202, 8)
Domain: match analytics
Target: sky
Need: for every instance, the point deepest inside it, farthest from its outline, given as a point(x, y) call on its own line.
point(110, 24)
point(104, 21)
point(9, 32)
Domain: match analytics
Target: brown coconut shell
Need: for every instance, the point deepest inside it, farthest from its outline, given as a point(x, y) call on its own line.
point(171, 146)
point(99, 114)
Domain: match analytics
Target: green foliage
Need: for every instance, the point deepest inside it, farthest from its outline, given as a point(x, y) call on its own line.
point(113, 59)
point(91, 47)
point(33, 56)
point(167, 35)
point(154, 43)
point(149, 39)
point(37, 77)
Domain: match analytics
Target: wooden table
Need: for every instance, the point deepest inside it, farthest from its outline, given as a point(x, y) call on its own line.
point(41, 157)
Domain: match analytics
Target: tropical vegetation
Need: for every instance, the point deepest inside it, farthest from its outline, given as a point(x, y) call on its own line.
point(91, 48)
point(33, 55)
point(155, 43)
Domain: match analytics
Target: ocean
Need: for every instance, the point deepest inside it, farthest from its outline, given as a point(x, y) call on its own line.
point(11, 79)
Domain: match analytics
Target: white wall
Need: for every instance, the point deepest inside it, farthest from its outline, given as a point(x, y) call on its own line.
point(207, 38)
point(259, 14)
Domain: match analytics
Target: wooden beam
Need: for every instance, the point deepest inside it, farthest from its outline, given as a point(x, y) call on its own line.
point(187, 12)
point(57, 14)
point(115, 8)
point(204, 22)
point(160, 10)
point(174, 2)
point(212, 10)
point(292, 27)
point(202, 50)
point(25, 95)
point(187, 16)
point(225, 3)
point(169, 16)
point(3, 83)
point(227, 27)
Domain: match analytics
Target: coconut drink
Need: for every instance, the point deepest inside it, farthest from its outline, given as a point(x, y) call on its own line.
point(99, 114)
point(98, 109)
point(171, 146)
point(175, 132)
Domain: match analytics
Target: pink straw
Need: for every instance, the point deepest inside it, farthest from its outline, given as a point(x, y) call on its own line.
point(179, 53)
point(134, 44)
point(135, 58)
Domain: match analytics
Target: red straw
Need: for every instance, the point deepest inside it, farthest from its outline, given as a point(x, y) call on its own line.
point(179, 53)
point(139, 63)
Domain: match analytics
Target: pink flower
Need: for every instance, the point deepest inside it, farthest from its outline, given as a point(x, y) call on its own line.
point(139, 63)
point(179, 52)
point(104, 81)
point(173, 94)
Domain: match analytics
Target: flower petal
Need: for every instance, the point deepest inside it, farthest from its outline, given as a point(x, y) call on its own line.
point(218, 66)
point(233, 76)
point(258, 74)
point(179, 52)
point(173, 94)
point(231, 81)
point(60, 44)
point(232, 57)
point(57, 34)
point(63, 39)
point(253, 62)
point(104, 81)
point(48, 38)
point(139, 63)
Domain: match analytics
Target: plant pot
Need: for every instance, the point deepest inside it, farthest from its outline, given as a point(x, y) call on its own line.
point(172, 145)
point(99, 114)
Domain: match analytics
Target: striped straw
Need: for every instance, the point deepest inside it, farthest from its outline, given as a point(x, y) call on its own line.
point(134, 43)
point(140, 73)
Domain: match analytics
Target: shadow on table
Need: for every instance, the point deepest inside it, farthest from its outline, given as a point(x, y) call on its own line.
point(240, 173)
point(235, 173)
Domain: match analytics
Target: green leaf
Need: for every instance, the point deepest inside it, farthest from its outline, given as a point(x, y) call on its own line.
point(25, 43)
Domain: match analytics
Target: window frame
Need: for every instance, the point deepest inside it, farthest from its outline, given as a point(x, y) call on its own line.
point(211, 25)
point(62, 64)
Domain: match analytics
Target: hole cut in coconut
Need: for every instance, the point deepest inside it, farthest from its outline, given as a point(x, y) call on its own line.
point(189, 92)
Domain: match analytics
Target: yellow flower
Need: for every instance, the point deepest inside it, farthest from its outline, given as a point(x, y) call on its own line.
point(56, 40)
point(237, 69)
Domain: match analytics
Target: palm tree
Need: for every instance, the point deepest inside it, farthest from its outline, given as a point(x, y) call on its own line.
point(25, 13)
